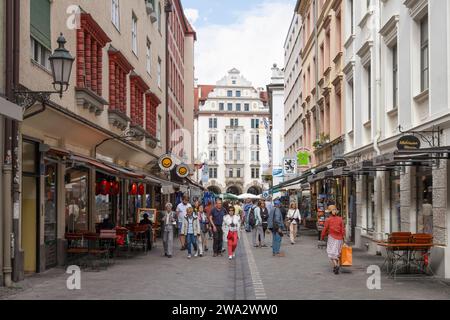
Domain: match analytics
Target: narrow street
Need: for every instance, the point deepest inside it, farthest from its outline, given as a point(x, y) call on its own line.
point(304, 274)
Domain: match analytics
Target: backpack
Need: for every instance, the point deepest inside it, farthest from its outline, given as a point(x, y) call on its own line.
point(251, 217)
point(264, 215)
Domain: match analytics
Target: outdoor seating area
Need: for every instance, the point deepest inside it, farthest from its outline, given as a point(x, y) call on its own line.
point(91, 250)
point(408, 253)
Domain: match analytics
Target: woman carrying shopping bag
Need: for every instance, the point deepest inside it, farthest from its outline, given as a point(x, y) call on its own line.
point(232, 223)
point(294, 219)
point(335, 229)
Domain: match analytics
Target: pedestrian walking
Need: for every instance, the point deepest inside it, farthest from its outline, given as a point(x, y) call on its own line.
point(335, 229)
point(226, 206)
point(191, 229)
point(196, 207)
point(264, 212)
point(232, 222)
point(204, 230)
point(294, 219)
point(216, 220)
point(276, 225)
point(247, 206)
point(257, 231)
point(208, 209)
point(181, 213)
point(169, 224)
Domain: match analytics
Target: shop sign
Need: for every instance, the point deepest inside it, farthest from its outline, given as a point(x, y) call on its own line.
point(408, 143)
point(182, 170)
point(166, 162)
point(383, 159)
point(277, 172)
point(289, 166)
point(303, 158)
point(339, 163)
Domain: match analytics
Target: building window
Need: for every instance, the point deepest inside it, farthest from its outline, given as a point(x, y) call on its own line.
point(213, 173)
point(238, 173)
point(238, 93)
point(238, 138)
point(40, 23)
point(255, 123)
point(255, 173)
point(230, 173)
point(149, 57)
point(40, 54)
point(213, 139)
point(213, 123)
point(370, 210)
point(115, 13)
point(213, 155)
point(230, 155)
point(238, 107)
point(255, 156)
point(234, 122)
point(159, 72)
point(238, 155)
point(137, 90)
point(230, 107)
point(246, 107)
point(352, 104)
point(424, 54)
point(229, 93)
point(221, 106)
point(119, 68)
point(369, 92)
point(134, 42)
point(151, 122)
point(158, 130)
point(395, 76)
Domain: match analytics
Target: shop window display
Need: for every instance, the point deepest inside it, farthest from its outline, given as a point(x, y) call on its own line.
point(77, 195)
point(50, 214)
point(424, 200)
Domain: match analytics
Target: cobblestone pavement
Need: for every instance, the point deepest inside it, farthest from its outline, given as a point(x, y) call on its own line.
point(304, 273)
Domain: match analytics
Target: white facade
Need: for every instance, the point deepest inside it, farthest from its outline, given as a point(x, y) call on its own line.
point(293, 128)
point(397, 74)
point(232, 139)
point(275, 92)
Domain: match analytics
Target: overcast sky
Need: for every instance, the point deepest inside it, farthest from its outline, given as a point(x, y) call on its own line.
point(245, 34)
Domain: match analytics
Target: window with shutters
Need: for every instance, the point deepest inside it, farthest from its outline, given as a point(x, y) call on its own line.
point(137, 89)
point(151, 105)
point(119, 68)
point(40, 22)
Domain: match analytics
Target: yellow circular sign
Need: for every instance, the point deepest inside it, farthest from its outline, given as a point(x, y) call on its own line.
point(182, 171)
point(166, 162)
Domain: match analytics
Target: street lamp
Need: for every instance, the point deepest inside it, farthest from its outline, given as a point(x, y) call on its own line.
point(61, 62)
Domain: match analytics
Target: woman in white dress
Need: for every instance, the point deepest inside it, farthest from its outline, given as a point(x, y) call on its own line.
point(294, 218)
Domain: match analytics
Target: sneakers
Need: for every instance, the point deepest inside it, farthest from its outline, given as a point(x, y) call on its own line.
point(196, 254)
point(200, 255)
point(234, 255)
point(189, 256)
point(230, 257)
point(280, 255)
point(336, 270)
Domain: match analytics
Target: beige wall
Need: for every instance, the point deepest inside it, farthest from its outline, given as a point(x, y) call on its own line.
point(36, 78)
point(328, 81)
point(189, 92)
point(2, 46)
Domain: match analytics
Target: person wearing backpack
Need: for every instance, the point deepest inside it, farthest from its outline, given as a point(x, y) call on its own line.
point(294, 218)
point(276, 225)
point(255, 219)
point(264, 212)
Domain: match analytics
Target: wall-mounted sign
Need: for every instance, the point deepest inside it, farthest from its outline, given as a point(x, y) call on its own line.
point(339, 163)
point(277, 172)
point(303, 158)
point(166, 162)
point(182, 170)
point(289, 166)
point(408, 143)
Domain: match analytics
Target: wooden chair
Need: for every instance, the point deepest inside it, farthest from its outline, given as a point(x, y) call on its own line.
point(420, 255)
point(95, 250)
point(398, 256)
point(77, 249)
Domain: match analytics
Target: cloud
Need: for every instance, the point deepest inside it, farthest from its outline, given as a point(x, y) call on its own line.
point(251, 44)
point(192, 15)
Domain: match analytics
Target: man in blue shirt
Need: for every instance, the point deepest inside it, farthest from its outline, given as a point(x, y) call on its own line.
point(276, 225)
point(216, 220)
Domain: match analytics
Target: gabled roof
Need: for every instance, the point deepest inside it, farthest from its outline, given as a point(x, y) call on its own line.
point(201, 94)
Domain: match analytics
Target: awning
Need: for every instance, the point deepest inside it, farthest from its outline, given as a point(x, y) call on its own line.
point(11, 110)
point(127, 173)
point(412, 157)
point(94, 163)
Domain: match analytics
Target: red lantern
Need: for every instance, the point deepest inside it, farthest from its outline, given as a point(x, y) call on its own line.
point(115, 188)
point(134, 189)
point(104, 187)
point(141, 189)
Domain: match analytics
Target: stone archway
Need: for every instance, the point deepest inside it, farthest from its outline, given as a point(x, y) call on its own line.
point(214, 189)
point(234, 190)
point(254, 190)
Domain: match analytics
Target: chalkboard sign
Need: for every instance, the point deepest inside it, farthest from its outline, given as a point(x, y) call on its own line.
point(151, 214)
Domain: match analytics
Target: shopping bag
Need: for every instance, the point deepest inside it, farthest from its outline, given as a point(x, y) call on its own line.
point(346, 256)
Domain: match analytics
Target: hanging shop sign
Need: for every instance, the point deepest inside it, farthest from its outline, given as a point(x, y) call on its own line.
point(166, 162)
point(303, 158)
point(339, 163)
point(277, 172)
point(182, 171)
point(289, 166)
point(408, 142)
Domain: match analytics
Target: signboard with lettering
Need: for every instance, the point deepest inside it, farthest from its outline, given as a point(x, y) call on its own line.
point(408, 142)
point(384, 159)
point(289, 166)
point(339, 163)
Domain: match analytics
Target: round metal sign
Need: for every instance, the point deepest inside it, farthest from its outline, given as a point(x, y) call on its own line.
point(182, 171)
point(166, 162)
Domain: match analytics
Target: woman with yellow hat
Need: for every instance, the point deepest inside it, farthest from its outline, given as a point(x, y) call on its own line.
point(335, 229)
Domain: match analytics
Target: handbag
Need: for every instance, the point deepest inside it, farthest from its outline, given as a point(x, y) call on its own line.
point(346, 256)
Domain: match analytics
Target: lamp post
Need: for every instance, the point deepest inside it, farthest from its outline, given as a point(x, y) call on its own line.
point(61, 62)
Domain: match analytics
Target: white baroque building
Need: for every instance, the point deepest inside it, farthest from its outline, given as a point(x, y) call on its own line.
point(231, 136)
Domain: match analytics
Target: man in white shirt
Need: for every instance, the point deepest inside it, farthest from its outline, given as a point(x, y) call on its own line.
point(181, 213)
